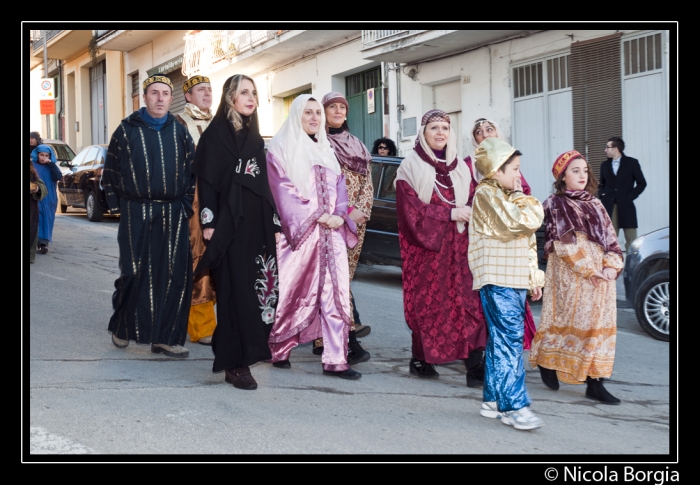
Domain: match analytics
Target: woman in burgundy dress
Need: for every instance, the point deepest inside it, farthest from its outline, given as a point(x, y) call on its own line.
point(432, 200)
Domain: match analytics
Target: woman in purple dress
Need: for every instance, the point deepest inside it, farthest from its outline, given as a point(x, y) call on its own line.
point(314, 280)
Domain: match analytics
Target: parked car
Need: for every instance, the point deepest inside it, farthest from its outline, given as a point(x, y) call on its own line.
point(646, 279)
point(81, 183)
point(382, 238)
point(63, 152)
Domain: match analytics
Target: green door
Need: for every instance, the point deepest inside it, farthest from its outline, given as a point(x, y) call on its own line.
point(366, 126)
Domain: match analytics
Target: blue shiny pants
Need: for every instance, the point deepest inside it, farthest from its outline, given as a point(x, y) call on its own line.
point(504, 381)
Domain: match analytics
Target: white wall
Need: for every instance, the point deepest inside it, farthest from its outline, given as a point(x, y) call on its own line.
point(37, 121)
point(170, 44)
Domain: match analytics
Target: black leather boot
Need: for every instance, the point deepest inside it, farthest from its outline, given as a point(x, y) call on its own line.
point(475, 368)
point(356, 353)
point(549, 377)
point(595, 390)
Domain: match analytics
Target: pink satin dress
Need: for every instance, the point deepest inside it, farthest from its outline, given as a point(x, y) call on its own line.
point(314, 279)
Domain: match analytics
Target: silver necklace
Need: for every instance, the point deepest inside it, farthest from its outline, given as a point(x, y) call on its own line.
point(442, 198)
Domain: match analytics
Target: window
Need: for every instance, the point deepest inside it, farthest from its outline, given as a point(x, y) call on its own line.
point(63, 152)
point(527, 80)
point(80, 158)
point(387, 190)
point(643, 54)
point(135, 91)
point(376, 171)
point(89, 159)
point(558, 73)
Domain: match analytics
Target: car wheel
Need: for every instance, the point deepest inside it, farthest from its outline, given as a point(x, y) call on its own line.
point(652, 305)
point(92, 206)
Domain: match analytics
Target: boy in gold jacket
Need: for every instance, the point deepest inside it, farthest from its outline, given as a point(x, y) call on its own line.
point(503, 262)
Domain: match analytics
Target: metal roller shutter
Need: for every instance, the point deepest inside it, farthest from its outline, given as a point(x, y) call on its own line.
point(179, 101)
point(596, 90)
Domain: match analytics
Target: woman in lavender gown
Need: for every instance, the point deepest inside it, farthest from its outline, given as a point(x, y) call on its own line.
point(312, 201)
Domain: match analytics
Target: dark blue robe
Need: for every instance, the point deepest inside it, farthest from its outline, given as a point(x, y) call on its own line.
point(148, 179)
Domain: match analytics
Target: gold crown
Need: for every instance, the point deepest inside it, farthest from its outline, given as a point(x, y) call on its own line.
point(157, 79)
point(193, 81)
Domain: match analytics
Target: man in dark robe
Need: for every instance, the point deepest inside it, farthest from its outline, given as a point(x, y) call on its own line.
point(149, 181)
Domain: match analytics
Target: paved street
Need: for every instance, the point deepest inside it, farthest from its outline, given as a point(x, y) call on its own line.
point(88, 397)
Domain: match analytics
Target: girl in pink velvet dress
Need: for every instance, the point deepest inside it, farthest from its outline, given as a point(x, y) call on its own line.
point(312, 201)
point(433, 208)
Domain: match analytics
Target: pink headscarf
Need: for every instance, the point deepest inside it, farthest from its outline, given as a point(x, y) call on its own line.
point(351, 152)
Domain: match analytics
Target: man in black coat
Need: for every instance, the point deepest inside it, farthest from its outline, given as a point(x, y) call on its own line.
point(621, 181)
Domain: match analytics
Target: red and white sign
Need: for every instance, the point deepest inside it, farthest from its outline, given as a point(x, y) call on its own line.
point(46, 91)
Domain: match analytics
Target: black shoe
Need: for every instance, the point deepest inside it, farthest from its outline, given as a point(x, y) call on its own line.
point(420, 368)
point(317, 350)
point(476, 358)
point(241, 378)
point(43, 249)
point(595, 390)
point(475, 376)
point(356, 353)
point(282, 364)
point(344, 374)
point(549, 377)
point(362, 330)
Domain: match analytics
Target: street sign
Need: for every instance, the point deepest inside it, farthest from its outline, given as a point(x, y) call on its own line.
point(48, 106)
point(46, 91)
point(370, 101)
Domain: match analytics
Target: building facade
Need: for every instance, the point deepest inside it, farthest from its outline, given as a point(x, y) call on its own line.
point(549, 90)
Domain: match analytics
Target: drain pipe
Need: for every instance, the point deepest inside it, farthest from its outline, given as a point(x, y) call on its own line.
point(399, 106)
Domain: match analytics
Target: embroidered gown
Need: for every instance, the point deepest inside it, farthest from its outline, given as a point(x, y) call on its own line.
point(578, 325)
point(440, 307)
point(235, 201)
point(314, 297)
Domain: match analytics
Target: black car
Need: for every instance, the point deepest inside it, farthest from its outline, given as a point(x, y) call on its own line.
point(646, 278)
point(381, 243)
point(81, 183)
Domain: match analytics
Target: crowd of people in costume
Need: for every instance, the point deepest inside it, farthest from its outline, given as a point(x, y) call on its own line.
point(253, 251)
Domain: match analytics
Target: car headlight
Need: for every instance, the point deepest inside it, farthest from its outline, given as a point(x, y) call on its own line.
point(636, 244)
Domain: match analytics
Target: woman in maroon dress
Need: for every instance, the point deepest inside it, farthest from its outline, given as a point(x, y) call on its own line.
point(440, 307)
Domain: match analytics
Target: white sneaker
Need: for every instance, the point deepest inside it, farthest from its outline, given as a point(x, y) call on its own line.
point(522, 418)
point(489, 410)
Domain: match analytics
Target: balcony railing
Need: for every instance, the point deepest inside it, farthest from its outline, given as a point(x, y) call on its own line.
point(37, 37)
point(205, 48)
point(371, 36)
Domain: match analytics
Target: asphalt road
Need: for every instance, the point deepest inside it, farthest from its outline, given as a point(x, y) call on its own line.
point(83, 396)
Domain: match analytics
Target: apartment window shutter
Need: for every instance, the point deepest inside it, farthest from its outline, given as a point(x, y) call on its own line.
point(596, 92)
